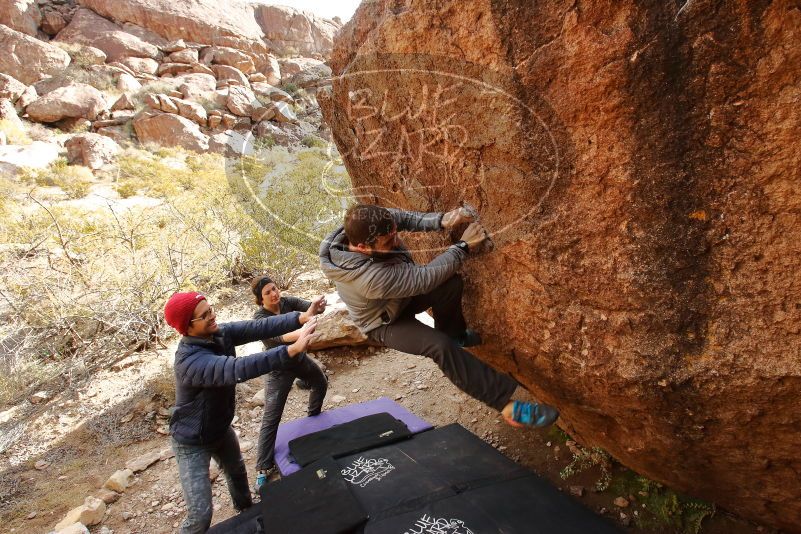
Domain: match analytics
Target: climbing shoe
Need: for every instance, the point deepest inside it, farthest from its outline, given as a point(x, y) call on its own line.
point(531, 414)
point(262, 477)
point(469, 338)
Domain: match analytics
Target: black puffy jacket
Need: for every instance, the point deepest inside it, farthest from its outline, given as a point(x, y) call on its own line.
point(207, 371)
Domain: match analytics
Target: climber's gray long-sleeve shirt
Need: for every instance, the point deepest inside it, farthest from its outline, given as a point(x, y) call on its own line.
point(376, 290)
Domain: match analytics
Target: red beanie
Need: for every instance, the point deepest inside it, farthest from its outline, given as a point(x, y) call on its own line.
point(179, 309)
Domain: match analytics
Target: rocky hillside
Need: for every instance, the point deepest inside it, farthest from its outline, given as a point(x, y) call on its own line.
point(185, 74)
point(637, 164)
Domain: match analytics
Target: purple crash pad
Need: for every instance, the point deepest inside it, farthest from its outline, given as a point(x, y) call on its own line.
point(300, 427)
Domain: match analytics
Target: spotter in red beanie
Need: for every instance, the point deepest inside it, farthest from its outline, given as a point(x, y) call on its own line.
point(179, 309)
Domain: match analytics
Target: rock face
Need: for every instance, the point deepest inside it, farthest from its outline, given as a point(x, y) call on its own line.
point(76, 100)
point(199, 21)
point(28, 59)
point(21, 15)
point(290, 29)
point(88, 28)
point(637, 164)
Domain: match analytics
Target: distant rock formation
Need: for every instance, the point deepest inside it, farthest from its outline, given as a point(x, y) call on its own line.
point(292, 30)
point(638, 166)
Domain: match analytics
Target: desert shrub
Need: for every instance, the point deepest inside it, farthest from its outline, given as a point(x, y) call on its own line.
point(292, 89)
point(74, 180)
point(15, 135)
point(312, 141)
point(81, 285)
point(100, 80)
point(264, 143)
point(126, 190)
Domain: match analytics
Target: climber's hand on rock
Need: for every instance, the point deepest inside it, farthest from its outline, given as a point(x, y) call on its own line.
point(454, 218)
point(474, 236)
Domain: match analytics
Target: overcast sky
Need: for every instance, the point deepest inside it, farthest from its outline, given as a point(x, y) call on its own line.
point(325, 8)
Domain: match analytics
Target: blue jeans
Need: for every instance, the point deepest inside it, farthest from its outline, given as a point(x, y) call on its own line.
point(193, 469)
point(276, 388)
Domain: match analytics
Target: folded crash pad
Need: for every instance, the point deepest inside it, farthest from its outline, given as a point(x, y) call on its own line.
point(354, 436)
point(300, 427)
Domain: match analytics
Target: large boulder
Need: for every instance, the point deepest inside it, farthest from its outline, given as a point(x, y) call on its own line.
point(637, 166)
point(292, 30)
point(224, 55)
point(37, 155)
point(241, 101)
point(196, 85)
point(141, 65)
point(198, 21)
point(76, 100)
point(170, 130)
point(91, 150)
point(89, 28)
point(21, 15)
point(28, 59)
point(11, 88)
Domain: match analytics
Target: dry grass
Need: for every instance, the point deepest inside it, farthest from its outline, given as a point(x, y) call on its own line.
point(15, 135)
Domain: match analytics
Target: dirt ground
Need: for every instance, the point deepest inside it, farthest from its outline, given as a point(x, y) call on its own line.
point(87, 433)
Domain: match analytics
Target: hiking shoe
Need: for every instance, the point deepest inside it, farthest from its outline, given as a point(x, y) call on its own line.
point(532, 414)
point(302, 384)
point(469, 338)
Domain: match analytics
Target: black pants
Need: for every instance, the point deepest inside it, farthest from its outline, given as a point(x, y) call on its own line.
point(468, 373)
point(276, 389)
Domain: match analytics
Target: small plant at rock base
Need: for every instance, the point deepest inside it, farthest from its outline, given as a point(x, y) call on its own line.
point(584, 459)
point(662, 509)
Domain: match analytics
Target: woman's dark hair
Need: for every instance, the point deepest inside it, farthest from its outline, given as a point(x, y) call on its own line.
point(257, 285)
point(364, 223)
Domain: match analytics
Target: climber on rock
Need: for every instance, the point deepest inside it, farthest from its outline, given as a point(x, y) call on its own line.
point(384, 289)
point(206, 373)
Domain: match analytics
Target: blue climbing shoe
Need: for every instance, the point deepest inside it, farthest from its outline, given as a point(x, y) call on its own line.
point(261, 479)
point(532, 414)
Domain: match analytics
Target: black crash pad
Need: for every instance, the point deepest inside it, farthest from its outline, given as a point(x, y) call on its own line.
point(358, 435)
point(314, 500)
point(387, 482)
point(248, 522)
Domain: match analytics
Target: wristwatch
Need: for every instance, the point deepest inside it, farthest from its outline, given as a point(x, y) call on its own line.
point(462, 245)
